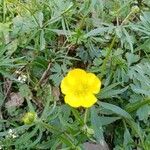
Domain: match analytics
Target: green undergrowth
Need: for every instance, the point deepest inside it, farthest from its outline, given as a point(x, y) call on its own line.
point(41, 40)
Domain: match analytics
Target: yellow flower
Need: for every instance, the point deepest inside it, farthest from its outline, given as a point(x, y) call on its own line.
point(80, 87)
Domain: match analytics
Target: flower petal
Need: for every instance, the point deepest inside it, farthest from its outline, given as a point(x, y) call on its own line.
point(76, 73)
point(77, 76)
point(73, 100)
point(73, 81)
point(65, 87)
point(88, 100)
point(93, 83)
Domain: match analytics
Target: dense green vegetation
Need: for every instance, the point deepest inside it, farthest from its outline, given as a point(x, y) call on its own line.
point(41, 40)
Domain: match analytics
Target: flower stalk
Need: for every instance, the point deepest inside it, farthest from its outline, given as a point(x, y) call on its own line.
point(85, 116)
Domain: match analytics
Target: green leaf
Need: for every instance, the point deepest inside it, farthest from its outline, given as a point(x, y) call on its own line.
point(128, 39)
point(25, 91)
point(12, 47)
point(136, 129)
point(110, 92)
point(40, 18)
point(127, 140)
point(107, 120)
point(1, 96)
point(98, 31)
point(132, 58)
point(27, 136)
point(140, 74)
point(48, 97)
point(115, 109)
point(143, 112)
point(42, 40)
point(135, 106)
point(96, 124)
point(27, 94)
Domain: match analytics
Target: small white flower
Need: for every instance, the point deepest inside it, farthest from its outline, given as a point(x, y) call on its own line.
point(17, 72)
point(11, 134)
point(22, 78)
point(14, 136)
point(10, 131)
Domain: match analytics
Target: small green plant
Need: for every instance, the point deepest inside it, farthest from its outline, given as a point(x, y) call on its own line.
point(41, 41)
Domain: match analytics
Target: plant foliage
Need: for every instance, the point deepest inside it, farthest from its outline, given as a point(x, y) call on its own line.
point(41, 40)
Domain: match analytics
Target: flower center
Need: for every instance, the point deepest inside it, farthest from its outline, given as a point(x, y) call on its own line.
point(82, 90)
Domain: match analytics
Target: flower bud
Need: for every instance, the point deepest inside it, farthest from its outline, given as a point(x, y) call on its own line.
point(90, 131)
point(135, 9)
point(87, 130)
point(29, 118)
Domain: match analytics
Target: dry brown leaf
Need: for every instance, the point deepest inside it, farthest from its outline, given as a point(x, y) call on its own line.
point(91, 146)
point(7, 86)
point(56, 93)
point(15, 100)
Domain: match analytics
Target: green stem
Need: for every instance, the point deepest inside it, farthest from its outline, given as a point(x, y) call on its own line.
point(54, 19)
point(112, 44)
point(127, 18)
point(63, 135)
point(4, 10)
point(31, 108)
point(134, 126)
point(107, 56)
point(85, 116)
point(135, 106)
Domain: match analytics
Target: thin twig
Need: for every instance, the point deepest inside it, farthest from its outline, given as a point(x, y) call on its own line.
point(45, 74)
